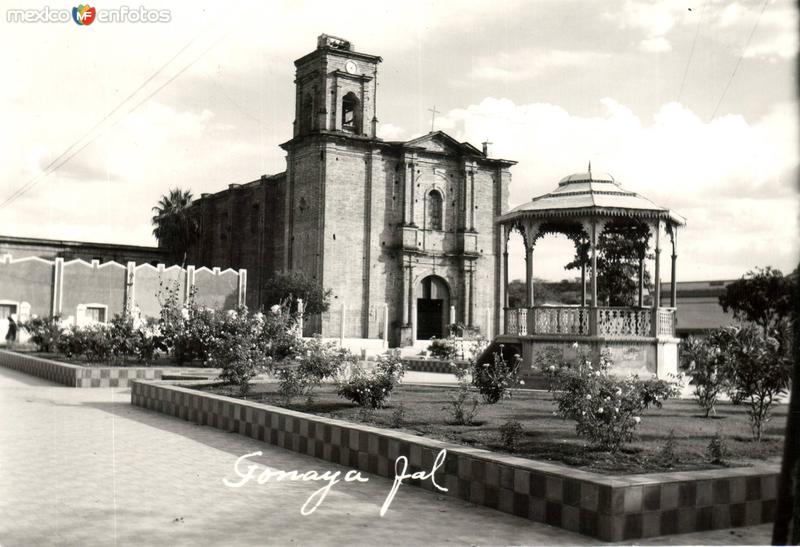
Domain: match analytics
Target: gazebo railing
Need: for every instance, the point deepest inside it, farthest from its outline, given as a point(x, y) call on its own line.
point(578, 321)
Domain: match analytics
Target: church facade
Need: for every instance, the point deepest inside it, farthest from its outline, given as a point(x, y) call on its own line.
point(404, 228)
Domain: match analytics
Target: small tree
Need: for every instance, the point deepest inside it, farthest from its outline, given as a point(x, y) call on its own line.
point(763, 297)
point(291, 286)
point(701, 359)
point(238, 349)
point(757, 369)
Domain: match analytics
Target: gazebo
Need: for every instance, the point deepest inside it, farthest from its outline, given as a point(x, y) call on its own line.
point(589, 209)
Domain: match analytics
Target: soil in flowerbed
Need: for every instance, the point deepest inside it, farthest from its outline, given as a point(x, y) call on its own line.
point(547, 437)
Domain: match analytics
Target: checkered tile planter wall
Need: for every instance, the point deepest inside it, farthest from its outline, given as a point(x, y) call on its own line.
point(76, 375)
point(605, 507)
point(431, 365)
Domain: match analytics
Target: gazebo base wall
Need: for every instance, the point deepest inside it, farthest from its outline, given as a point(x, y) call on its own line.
point(631, 355)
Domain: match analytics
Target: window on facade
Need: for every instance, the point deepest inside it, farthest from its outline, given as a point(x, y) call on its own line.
point(254, 218)
point(6, 310)
point(351, 119)
point(96, 314)
point(434, 210)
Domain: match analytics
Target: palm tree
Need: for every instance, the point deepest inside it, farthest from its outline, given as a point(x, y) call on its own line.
point(173, 226)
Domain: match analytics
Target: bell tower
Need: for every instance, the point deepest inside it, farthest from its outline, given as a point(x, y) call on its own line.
point(335, 90)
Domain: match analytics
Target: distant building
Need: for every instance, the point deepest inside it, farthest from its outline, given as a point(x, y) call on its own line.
point(698, 306)
point(21, 247)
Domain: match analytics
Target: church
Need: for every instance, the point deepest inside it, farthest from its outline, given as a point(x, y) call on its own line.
point(403, 233)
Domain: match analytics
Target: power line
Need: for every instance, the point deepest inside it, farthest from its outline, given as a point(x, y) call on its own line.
point(47, 170)
point(140, 103)
point(739, 61)
point(691, 51)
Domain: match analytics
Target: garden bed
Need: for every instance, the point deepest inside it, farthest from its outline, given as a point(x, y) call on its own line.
point(54, 368)
point(547, 437)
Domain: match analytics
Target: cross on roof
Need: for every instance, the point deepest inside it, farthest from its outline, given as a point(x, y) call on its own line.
point(433, 111)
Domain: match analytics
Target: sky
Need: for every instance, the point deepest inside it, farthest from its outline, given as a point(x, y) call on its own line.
point(691, 103)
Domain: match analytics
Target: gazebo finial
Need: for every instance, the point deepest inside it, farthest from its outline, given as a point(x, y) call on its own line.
point(590, 169)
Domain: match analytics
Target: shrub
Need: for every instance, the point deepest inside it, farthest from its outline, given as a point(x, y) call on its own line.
point(285, 288)
point(444, 348)
point(280, 333)
point(510, 434)
point(701, 359)
point(459, 406)
point(189, 331)
point(493, 380)
point(94, 343)
point(45, 332)
point(758, 371)
point(122, 337)
point(315, 362)
point(238, 349)
point(606, 409)
point(717, 451)
point(398, 416)
point(666, 455)
point(372, 389)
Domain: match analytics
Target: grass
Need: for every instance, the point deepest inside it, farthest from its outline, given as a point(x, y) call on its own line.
point(548, 437)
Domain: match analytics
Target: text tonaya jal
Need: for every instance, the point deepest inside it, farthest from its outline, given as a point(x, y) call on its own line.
point(331, 478)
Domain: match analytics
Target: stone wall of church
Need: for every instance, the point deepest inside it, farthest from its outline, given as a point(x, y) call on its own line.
point(347, 215)
point(242, 228)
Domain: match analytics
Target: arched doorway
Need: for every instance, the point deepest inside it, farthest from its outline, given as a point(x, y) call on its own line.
point(433, 307)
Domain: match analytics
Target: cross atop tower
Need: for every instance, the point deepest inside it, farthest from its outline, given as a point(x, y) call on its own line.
point(433, 111)
point(486, 144)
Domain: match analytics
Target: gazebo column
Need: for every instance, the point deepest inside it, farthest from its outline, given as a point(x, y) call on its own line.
point(529, 275)
point(641, 281)
point(594, 317)
point(505, 277)
point(657, 280)
point(673, 293)
point(583, 283)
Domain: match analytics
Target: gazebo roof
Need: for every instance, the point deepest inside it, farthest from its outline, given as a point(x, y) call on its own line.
point(591, 194)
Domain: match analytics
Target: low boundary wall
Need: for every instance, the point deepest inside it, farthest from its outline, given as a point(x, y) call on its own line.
point(610, 508)
point(76, 375)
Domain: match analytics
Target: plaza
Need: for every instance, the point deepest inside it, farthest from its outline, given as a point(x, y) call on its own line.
point(90, 469)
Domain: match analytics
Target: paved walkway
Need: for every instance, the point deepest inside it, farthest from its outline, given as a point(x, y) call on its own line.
point(84, 467)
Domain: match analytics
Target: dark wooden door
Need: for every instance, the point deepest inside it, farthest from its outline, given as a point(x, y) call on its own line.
point(429, 318)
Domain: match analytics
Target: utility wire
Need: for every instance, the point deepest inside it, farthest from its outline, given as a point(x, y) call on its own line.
point(49, 167)
point(739, 61)
point(691, 50)
point(140, 103)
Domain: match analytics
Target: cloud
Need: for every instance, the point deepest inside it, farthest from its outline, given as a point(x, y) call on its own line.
point(390, 132)
point(527, 63)
point(731, 177)
point(654, 19)
point(775, 37)
point(655, 45)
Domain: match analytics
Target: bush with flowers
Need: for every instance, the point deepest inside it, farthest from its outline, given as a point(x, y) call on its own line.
point(494, 379)
point(606, 408)
point(45, 332)
point(238, 348)
point(372, 389)
point(314, 362)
